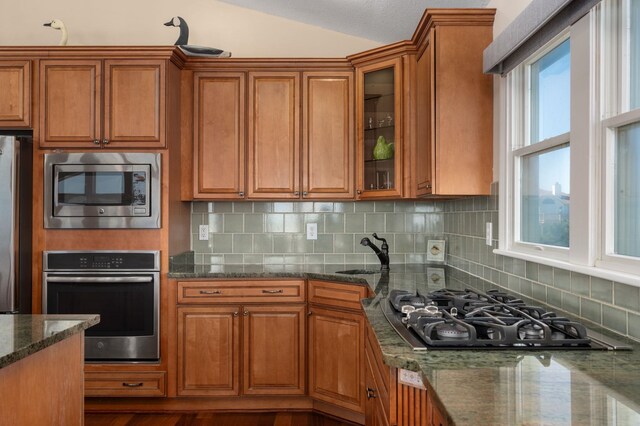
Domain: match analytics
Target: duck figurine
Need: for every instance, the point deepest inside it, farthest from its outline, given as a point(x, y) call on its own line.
point(57, 24)
point(193, 50)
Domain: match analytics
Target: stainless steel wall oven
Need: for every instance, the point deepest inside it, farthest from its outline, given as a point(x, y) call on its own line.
point(122, 286)
point(102, 190)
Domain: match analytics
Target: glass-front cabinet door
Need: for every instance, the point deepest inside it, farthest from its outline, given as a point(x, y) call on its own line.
point(380, 130)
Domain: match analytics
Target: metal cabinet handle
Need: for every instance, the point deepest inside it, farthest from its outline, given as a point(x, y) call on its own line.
point(245, 313)
point(358, 191)
point(297, 193)
point(371, 393)
point(132, 385)
point(309, 313)
point(273, 291)
point(105, 141)
point(210, 291)
point(96, 141)
point(241, 193)
point(428, 186)
point(305, 193)
point(235, 314)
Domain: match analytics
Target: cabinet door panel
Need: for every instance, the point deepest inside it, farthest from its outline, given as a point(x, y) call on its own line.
point(15, 93)
point(274, 115)
point(274, 339)
point(328, 145)
point(336, 345)
point(219, 135)
point(70, 99)
point(134, 103)
point(209, 350)
point(424, 133)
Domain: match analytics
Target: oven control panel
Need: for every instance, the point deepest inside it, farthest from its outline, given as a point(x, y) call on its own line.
point(102, 260)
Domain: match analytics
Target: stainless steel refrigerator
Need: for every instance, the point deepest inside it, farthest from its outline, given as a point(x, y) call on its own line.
point(16, 158)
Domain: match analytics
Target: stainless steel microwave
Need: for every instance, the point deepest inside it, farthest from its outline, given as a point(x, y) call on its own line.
point(102, 190)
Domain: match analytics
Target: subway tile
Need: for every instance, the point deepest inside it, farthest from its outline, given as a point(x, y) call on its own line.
point(197, 219)
point(545, 274)
point(303, 207)
point(221, 243)
point(262, 207)
point(254, 223)
point(634, 326)
point(374, 222)
point(354, 222)
point(580, 284)
point(201, 246)
point(293, 259)
point(215, 222)
point(233, 223)
point(526, 287)
point(571, 303)
point(403, 243)
point(200, 207)
point(405, 206)
point(532, 271)
point(322, 207)
point(562, 279)
point(415, 222)
point(273, 259)
point(364, 207)
point(324, 244)
point(434, 223)
point(626, 296)
point(415, 258)
point(384, 206)
point(344, 207)
point(274, 222)
point(293, 223)
point(614, 318)
point(334, 259)
point(343, 243)
point(317, 218)
point(242, 207)
point(519, 267)
point(213, 259)
point(554, 297)
point(233, 259)
point(508, 264)
point(591, 310)
point(394, 222)
point(263, 243)
point(354, 259)
point(221, 207)
point(242, 243)
point(283, 243)
point(314, 259)
point(539, 292)
point(334, 223)
point(253, 259)
point(513, 283)
point(282, 207)
point(602, 289)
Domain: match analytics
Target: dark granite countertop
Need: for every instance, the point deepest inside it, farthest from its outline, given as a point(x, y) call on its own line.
point(484, 387)
point(23, 335)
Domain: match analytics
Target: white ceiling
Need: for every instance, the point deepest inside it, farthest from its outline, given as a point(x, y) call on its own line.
point(384, 21)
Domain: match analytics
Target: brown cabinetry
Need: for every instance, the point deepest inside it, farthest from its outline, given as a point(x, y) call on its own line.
point(124, 384)
point(228, 348)
point(15, 93)
point(336, 344)
point(102, 103)
point(219, 135)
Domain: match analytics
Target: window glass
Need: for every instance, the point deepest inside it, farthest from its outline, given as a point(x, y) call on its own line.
point(545, 197)
point(627, 191)
point(550, 94)
point(634, 54)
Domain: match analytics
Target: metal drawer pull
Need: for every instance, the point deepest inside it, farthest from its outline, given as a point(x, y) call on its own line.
point(60, 279)
point(210, 291)
point(371, 393)
point(132, 385)
point(273, 291)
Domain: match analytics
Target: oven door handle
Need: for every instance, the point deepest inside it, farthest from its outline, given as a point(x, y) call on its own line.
point(99, 279)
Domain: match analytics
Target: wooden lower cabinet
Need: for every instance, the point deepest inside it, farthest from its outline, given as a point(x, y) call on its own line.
point(274, 356)
point(209, 350)
point(125, 384)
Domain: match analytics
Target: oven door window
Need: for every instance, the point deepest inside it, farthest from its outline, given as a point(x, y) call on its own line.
point(102, 188)
point(126, 309)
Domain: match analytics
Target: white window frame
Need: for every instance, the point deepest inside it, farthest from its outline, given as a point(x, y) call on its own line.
point(593, 96)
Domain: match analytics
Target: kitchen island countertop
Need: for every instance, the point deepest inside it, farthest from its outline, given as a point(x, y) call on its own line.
point(483, 387)
point(23, 335)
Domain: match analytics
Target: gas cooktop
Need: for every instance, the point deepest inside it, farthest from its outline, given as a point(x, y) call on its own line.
point(493, 320)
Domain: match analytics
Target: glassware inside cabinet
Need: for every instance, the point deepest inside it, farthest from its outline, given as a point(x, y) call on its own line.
point(379, 129)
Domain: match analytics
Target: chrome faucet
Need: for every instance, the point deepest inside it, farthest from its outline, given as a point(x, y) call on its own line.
point(382, 252)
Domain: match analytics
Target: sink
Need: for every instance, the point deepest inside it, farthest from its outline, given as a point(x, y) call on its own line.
point(358, 272)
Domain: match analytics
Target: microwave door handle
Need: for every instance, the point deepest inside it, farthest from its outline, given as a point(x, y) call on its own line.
point(99, 279)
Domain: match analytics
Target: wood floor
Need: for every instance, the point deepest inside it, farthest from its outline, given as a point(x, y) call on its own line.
point(210, 419)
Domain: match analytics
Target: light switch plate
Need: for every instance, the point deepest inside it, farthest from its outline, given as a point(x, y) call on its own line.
point(410, 378)
point(435, 251)
point(489, 233)
point(312, 231)
point(203, 232)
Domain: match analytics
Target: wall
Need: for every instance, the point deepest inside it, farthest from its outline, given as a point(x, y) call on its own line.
point(275, 232)
point(244, 32)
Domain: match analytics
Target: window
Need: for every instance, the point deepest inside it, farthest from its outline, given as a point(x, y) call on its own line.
point(570, 173)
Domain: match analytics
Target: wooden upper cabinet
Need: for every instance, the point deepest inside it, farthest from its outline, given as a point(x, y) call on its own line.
point(134, 99)
point(274, 135)
point(70, 103)
point(424, 134)
point(15, 93)
point(274, 350)
point(327, 138)
point(379, 110)
point(80, 107)
point(219, 129)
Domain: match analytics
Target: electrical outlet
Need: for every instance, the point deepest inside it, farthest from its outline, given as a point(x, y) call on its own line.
point(203, 232)
point(489, 233)
point(312, 231)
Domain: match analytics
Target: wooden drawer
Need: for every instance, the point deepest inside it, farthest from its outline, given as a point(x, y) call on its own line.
point(241, 291)
point(124, 384)
point(334, 294)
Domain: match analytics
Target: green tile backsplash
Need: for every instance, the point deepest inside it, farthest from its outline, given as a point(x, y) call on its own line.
point(275, 232)
point(615, 306)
